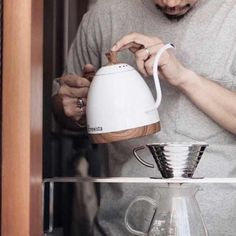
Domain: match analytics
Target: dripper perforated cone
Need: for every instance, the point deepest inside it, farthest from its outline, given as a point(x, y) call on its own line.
point(177, 160)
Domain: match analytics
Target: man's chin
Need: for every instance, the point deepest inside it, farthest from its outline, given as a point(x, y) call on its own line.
point(181, 13)
point(174, 14)
point(175, 17)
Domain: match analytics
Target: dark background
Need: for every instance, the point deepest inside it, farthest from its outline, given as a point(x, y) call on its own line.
point(62, 149)
point(1, 24)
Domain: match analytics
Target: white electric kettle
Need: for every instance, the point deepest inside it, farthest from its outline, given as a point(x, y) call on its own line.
point(120, 105)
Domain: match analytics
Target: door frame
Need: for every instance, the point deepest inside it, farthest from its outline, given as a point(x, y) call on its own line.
point(22, 112)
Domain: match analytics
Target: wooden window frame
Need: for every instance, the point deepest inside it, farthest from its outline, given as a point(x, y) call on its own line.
point(21, 213)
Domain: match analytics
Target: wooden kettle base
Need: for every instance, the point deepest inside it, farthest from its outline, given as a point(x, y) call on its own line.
point(126, 134)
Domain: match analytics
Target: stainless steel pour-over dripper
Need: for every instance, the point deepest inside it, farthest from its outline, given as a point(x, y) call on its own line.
point(174, 160)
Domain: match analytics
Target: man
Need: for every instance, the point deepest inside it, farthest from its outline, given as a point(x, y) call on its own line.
point(198, 85)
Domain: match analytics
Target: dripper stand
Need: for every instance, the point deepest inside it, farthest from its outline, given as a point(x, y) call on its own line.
point(177, 211)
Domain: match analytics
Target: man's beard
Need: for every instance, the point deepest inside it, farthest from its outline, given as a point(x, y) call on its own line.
point(174, 17)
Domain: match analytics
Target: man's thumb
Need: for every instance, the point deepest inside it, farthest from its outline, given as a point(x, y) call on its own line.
point(89, 71)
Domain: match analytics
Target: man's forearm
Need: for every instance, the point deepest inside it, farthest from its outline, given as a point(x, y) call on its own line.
point(216, 101)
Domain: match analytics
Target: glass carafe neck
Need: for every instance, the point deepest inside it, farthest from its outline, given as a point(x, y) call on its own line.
point(178, 190)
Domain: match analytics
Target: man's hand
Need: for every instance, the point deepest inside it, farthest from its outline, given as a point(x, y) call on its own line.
point(207, 95)
point(73, 93)
point(145, 49)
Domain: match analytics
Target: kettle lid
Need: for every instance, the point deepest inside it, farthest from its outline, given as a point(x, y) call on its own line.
point(113, 69)
point(113, 66)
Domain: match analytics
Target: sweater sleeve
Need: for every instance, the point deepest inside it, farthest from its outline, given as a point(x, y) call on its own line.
point(92, 36)
point(85, 47)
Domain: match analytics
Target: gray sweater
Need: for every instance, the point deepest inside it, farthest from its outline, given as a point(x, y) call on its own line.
point(205, 41)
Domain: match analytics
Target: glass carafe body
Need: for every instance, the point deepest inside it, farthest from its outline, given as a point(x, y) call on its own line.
point(176, 213)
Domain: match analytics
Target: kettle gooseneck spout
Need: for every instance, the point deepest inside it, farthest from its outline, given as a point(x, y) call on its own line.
point(155, 75)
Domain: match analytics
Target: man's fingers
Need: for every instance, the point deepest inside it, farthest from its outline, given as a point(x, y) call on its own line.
point(145, 59)
point(132, 46)
point(149, 66)
point(140, 65)
point(164, 57)
point(69, 101)
point(137, 38)
point(89, 72)
point(143, 54)
point(74, 81)
point(72, 108)
point(78, 104)
point(74, 113)
point(73, 88)
point(66, 91)
point(88, 68)
point(128, 40)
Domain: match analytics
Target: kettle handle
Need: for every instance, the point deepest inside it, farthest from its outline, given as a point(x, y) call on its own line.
point(155, 74)
point(138, 199)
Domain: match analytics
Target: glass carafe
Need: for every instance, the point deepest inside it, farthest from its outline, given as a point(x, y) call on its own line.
point(176, 212)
